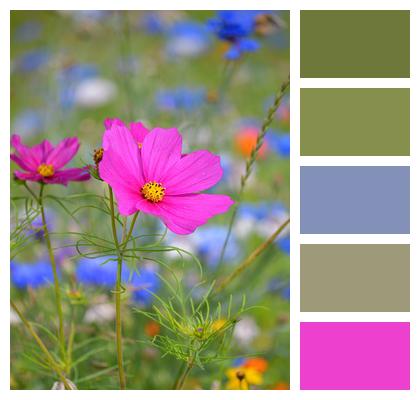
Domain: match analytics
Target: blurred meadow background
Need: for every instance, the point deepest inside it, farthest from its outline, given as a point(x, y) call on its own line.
point(72, 69)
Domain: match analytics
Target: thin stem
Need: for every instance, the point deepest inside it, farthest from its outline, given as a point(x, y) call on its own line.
point(251, 160)
point(181, 381)
point(61, 336)
point(251, 258)
point(53, 364)
point(31, 191)
point(118, 290)
point(130, 231)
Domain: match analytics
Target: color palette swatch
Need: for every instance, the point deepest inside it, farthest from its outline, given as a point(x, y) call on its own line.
point(350, 355)
point(355, 200)
point(355, 277)
point(355, 122)
point(341, 195)
point(355, 44)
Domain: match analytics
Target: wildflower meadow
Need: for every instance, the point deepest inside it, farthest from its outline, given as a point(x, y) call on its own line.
point(149, 203)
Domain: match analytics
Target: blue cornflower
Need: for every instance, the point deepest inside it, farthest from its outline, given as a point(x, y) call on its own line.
point(152, 23)
point(34, 275)
point(236, 27)
point(280, 287)
point(209, 242)
point(99, 271)
point(187, 39)
point(259, 211)
point(28, 31)
point(284, 244)
point(68, 79)
point(102, 272)
point(237, 362)
point(180, 99)
point(33, 60)
point(279, 143)
point(36, 228)
point(29, 122)
point(144, 283)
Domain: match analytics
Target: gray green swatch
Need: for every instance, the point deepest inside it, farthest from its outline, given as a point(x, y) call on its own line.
point(355, 44)
point(355, 277)
point(355, 122)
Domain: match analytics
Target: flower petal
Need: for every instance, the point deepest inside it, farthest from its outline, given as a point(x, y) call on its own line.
point(139, 131)
point(22, 164)
point(28, 176)
point(66, 175)
point(160, 152)
point(193, 173)
point(108, 122)
point(63, 152)
point(32, 156)
point(183, 214)
point(127, 199)
point(121, 165)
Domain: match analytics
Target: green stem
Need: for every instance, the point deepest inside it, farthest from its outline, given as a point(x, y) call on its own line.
point(251, 160)
point(53, 364)
point(58, 301)
point(118, 290)
point(251, 258)
point(130, 232)
point(181, 380)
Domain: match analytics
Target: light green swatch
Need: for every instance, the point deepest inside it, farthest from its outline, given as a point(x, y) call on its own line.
point(355, 122)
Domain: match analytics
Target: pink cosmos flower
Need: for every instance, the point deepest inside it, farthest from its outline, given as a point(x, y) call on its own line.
point(158, 179)
point(137, 129)
point(44, 162)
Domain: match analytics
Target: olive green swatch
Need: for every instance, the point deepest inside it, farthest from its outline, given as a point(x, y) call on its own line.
point(355, 122)
point(355, 277)
point(355, 44)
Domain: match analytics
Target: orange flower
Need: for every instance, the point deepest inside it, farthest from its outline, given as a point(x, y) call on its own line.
point(246, 140)
point(258, 363)
point(281, 386)
point(152, 328)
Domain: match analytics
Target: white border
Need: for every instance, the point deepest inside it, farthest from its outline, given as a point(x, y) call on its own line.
point(294, 6)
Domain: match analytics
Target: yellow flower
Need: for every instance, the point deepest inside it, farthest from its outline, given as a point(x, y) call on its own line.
point(240, 378)
point(218, 324)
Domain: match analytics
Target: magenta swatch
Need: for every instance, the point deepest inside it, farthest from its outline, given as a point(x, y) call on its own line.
point(355, 355)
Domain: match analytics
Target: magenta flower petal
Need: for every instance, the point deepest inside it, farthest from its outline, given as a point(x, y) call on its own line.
point(127, 199)
point(19, 161)
point(193, 173)
point(63, 153)
point(108, 122)
point(121, 164)
point(139, 131)
point(70, 174)
point(33, 156)
point(28, 176)
point(147, 207)
point(184, 214)
point(121, 167)
point(160, 152)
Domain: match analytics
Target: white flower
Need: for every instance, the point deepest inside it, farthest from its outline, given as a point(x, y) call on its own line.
point(94, 92)
point(246, 330)
point(100, 313)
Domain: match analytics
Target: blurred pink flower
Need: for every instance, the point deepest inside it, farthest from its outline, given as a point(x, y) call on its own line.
point(158, 179)
point(137, 129)
point(44, 162)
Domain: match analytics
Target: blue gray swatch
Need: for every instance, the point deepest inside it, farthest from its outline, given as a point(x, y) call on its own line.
point(355, 200)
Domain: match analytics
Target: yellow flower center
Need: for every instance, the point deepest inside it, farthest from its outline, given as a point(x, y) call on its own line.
point(46, 170)
point(153, 191)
